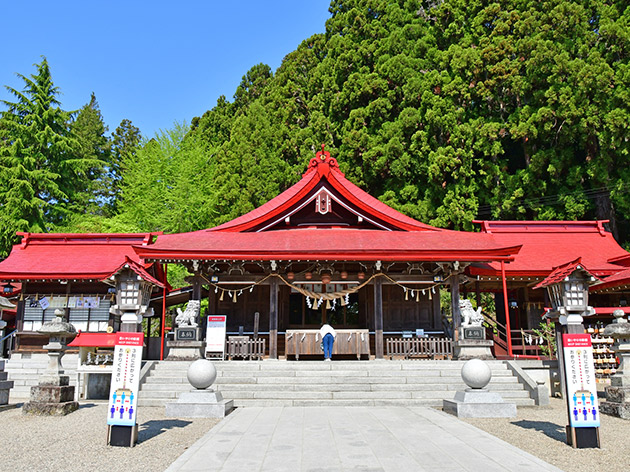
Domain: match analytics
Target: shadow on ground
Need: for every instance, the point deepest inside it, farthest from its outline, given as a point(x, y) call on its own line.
point(549, 429)
point(87, 405)
point(152, 428)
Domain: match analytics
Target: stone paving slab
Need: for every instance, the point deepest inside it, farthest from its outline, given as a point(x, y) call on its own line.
point(317, 439)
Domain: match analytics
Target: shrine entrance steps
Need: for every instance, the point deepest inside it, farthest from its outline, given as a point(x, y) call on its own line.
point(336, 383)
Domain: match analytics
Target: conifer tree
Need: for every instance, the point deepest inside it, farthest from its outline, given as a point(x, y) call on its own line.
point(41, 176)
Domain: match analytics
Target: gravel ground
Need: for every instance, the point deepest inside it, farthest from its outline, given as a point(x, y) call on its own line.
point(541, 432)
point(77, 442)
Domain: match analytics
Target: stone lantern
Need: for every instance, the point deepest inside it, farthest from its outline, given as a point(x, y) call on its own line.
point(569, 296)
point(618, 394)
point(132, 299)
point(53, 395)
point(567, 287)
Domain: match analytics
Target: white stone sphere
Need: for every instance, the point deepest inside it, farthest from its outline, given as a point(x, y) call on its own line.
point(476, 373)
point(202, 374)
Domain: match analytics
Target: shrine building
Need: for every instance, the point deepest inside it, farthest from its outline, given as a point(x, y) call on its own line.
point(323, 251)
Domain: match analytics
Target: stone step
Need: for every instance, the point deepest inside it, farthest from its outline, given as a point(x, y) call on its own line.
point(352, 387)
point(155, 387)
point(320, 365)
point(426, 402)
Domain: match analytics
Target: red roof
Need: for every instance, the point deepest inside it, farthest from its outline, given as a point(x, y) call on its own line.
point(549, 244)
point(323, 169)
point(93, 340)
point(371, 230)
point(619, 280)
point(329, 244)
point(71, 256)
point(559, 273)
point(138, 269)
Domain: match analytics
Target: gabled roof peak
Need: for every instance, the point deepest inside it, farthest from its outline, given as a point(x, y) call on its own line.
point(351, 206)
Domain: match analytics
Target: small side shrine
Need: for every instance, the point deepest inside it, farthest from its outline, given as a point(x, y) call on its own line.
point(89, 277)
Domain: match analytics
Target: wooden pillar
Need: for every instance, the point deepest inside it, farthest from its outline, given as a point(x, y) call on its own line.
point(477, 294)
point(273, 318)
point(196, 287)
point(378, 317)
point(457, 315)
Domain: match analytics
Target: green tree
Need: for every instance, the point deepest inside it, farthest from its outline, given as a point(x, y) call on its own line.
point(125, 142)
point(447, 111)
point(40, 176)
point(89, 130)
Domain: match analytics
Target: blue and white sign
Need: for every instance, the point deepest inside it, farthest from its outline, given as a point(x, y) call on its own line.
point(581, 386)
point(123, 395)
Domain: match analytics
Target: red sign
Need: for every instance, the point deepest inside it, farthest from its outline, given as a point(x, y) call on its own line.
point(216, 318)
point(129, 339)
point(576, 340)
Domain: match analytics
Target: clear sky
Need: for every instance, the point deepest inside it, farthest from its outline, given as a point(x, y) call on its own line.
point(153, 62)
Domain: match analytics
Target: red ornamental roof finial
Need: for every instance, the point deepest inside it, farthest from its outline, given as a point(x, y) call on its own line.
point(323, 154)
point(323, 162)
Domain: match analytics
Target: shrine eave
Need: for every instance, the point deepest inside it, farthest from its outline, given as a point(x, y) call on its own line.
point(329, 244)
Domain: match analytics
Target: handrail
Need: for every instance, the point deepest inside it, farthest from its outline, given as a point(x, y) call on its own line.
point(501, 338)
point(12, 333)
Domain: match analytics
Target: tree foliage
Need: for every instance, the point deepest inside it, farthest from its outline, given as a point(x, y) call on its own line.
point(41, 174)
point(448, 111)
point(93, 145)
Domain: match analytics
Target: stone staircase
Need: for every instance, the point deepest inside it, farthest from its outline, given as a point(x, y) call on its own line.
point(337, 383)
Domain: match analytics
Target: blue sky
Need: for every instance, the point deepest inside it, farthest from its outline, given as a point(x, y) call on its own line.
point(153, 62)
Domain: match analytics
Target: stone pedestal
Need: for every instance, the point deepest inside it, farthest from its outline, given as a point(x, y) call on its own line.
point(202, 401)
point(479, 403)
point(187, 333)
point(185, 350)
point(617, 402)
point(56, 399)
point(200, 404)
point(476, 401)
point(466, 349)
point(5, 385)
point(53, 396)
point(618, 394)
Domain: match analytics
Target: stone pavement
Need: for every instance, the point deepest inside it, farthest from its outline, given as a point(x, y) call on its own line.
point(314, 439)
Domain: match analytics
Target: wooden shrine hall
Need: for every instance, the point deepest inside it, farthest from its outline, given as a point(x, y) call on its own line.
point(323, 251)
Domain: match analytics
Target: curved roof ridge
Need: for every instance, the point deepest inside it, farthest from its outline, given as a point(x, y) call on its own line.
point(320, 168)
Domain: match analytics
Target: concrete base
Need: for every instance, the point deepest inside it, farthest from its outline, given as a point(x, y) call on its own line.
point(51, 400)
point(185, 350)
point(5, 387)
point(617, 402)
point(50, 409)
point(466, 349)
point(481, 403)
point(200, 404)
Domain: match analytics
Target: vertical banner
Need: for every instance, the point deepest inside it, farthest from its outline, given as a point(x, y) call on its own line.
point(123, 394)
point(215, 334)
point(580, 374)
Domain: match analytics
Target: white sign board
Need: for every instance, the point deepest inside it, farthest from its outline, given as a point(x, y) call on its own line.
point(123, 394)
point(215, 334)
point(580, 376)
